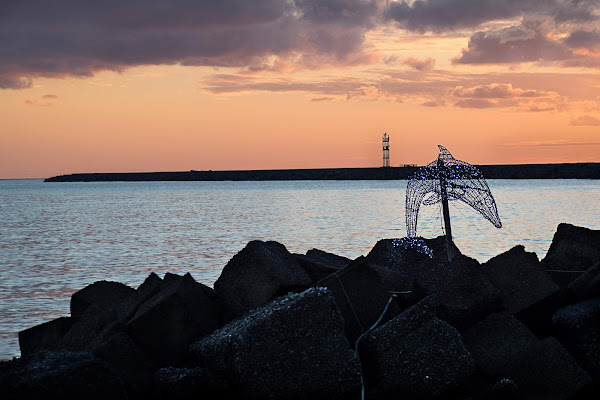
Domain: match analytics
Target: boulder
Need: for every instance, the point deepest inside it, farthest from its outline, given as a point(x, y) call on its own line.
point(45, 336)
point(319, 264)
point(89, 327)
point(128, 361)
point(573, 249)
point(104, 293)
point(330, 259)
point(548, 371)
point(259, 273)
point(293, 347)
point(416, 354)
point(151, 286)
point(59, 374)
point(578, 329)
point(191, 383)
point(360, 295)
point(497, 342)
point(586, 286)
point(165, 324)
point(430, 273)
point(468, 296)
point(527, 291)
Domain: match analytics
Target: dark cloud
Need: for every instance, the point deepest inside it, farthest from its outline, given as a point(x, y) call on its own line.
point(496, 47)
point(448, 15)
point(584, 39)
point(475, 103)
point(80, 37)
point(420, 65)
point(50, 96)
point(504, 95)
point(433, 103)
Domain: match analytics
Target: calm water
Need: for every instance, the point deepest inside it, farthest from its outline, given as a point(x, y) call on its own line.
point(56, 238)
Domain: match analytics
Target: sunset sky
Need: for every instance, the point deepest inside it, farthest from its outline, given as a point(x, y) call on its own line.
point(171, 85)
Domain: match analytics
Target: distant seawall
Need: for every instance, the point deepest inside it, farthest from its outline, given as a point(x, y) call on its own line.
point(518, 171)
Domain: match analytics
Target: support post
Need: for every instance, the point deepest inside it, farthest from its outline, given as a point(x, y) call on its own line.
point(446, 209)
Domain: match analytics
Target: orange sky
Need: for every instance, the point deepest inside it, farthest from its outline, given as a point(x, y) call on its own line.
point(469, 85)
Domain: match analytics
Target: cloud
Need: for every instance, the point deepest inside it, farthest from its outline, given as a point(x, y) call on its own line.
point(80, 38)
point(504, 95)
point(448, 15)
point(541, 41)
point(585, 120)
point(46, 100)
point(420, 65)
point(371, 92)
point(433, 103)
point(475, 103)
point(316, 99)
point(549, 143)
point(494, 91)
point(584, 39)
point(512, 45)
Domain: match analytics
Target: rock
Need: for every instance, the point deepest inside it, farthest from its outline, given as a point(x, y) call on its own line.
point(259, 273)
point(293, 347)
point(431, 274)
point(548, 371)
point(360, 295)
point(128, 362)
point(181, 313)
point(59, 374)
point(325, 258)
point(416, 354)
point(45, 336)
point(319, 264)
point(586, 286)
point(85, 332)
point(191, 383)
point(151, 286)
point(86, 329)
point(578, 329)
point(102, 292)
point(497, 342)
point(468, 296)
point(527, 291)
point(573, 249)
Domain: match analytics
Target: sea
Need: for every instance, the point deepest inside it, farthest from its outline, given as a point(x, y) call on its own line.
point(57, 238)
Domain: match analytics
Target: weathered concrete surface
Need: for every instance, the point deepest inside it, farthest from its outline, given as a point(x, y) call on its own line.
point(182, 312)
point(259, 273)
point(294, 347)
point(573, 249)
point(416, 355)
point(60, 374)
point(360, 295)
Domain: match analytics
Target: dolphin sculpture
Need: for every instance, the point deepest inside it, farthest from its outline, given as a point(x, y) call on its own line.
point(446, 179)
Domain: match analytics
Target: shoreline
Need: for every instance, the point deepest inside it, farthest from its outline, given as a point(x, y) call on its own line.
point(506, 171)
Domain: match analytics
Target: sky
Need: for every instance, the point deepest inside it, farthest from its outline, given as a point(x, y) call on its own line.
point(175, 85)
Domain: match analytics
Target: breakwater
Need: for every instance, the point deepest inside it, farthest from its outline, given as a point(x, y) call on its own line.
point(512, 171)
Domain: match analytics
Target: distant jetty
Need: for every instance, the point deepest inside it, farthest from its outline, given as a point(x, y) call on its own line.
point(515, 171)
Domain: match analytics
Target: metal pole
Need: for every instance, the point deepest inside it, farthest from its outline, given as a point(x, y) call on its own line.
point(446, 209)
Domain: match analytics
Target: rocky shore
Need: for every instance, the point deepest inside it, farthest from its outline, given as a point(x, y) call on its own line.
point(285, 326)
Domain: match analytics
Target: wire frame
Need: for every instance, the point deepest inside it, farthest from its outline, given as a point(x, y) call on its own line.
point(463, 182)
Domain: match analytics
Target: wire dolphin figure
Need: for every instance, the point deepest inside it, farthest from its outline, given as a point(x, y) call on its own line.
point(446, 179)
